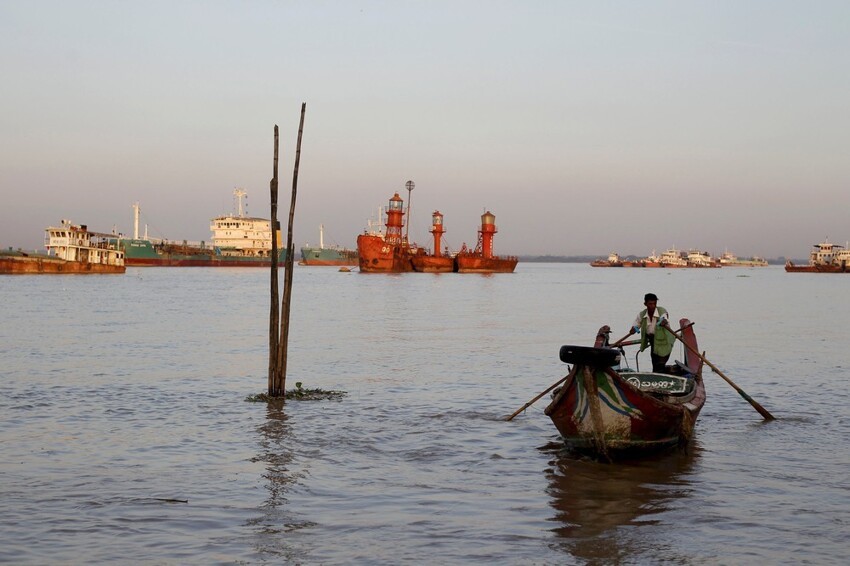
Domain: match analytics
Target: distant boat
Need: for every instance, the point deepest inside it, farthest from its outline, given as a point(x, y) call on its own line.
point(612, 261)
point(696, 258)
point(482, 259)
point(390, 251)
point(333, 255)
point(676, 259)
point(728, 259)
point(70, 249)
point(436, 262)
point(824, 258)
point(238, 240)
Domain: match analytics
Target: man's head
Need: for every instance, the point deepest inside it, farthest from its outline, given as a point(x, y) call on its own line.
point(650, 298)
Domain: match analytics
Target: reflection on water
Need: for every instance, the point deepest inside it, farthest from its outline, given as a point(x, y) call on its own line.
point(595, 503)
point(276, 450)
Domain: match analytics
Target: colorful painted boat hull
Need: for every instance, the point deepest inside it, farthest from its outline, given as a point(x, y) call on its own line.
point(611, 414)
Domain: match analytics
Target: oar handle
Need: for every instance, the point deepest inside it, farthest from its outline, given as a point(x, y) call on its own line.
point(620, 341)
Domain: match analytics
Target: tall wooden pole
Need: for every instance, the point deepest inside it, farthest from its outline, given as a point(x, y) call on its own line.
point(274, 337)
point(290, 255)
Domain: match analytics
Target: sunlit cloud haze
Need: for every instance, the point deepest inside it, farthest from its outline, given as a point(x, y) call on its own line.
point(585, 128)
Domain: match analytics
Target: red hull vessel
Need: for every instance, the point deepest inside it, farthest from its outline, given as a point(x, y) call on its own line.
point(393, 253)
point(433, 264)
point(22, 265)
point(471, 263)
point(72, 249)
point(378, 256)
point(482, 259)
point(824, 258)
point(390, 252)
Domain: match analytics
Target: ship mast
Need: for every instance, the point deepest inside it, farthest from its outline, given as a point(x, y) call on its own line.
point(409, 185)
point(239, 193)
point(321, 236)
point(136, 220)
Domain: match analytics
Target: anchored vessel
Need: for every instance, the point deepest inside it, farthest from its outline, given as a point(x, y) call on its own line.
point(611, 412)
point(70, 249)
point(392, 252)
point(824, 258)
point(333, 255)
point(728, 259)
point(238, 240)
point(437, 262)
point(482, 259)
point(388, 252)
point(612, 261)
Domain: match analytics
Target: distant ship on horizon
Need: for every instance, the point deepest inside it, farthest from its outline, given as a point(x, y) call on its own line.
point(238, 240)
point(333, 255)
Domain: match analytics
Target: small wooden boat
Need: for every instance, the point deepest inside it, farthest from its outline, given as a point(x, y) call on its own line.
point(612, 412)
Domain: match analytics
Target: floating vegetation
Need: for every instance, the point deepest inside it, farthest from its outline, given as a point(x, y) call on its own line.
point(299, 394)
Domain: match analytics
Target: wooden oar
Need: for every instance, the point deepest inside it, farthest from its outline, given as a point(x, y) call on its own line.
point(762, 411)
point(620, 341)
point(550, 388)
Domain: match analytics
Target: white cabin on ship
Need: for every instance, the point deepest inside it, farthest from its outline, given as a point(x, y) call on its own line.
point(75, 243)
point(673, 258)
point(825, 253)
point(242, 235)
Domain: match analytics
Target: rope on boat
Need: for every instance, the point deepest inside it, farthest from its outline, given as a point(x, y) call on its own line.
point(592, 392)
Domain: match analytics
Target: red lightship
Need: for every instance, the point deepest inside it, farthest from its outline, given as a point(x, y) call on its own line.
point(389, 252)
point(482, 259)
point(436, 263)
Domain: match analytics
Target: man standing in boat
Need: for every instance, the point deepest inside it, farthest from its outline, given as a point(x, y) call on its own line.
point(651, 322)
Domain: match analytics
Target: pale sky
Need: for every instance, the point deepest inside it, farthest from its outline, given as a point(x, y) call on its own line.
point(585, 127)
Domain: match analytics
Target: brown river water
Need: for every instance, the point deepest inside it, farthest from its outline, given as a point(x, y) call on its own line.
point(126, 438)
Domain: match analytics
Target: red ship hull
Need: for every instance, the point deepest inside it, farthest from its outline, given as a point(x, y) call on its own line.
point(377, 256)
point(791, 268)
point(433, 264)
point(469, 263)
point(37, 265)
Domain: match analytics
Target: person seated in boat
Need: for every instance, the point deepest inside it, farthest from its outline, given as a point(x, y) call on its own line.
point(652, 324)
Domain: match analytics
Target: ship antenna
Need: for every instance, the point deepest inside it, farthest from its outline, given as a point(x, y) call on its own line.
point(409, 185)
point(239, 193)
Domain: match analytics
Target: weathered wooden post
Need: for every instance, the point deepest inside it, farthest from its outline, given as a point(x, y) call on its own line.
point(274, 337)
point(290, 254)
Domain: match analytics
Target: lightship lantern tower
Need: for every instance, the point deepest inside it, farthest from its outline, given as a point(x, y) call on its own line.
point(395, 222)
point(437, 231)
point(485, 235)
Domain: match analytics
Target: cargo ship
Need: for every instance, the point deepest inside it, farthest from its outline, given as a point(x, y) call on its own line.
point(612, 261)
point(334, 255)
point(390, 251)
point(238, 240)
point(674, 259)
point(728, 259)
point(71, 249)
point(482, 259)
point(824, 258)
